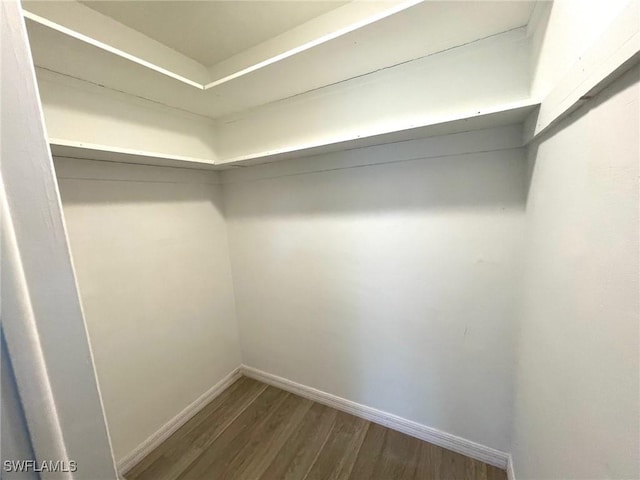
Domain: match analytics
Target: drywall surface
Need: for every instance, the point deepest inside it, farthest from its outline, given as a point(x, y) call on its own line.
point(389, 284)
point(150, 250)
point(576, 412)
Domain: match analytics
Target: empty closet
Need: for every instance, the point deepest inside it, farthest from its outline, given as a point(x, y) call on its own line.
point(423, 214)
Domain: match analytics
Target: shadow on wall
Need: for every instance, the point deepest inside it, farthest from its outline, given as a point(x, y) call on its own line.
point(477, 180)
point(151, 258)
point(391, 285)
point(16, 441)
point(87, 181)
point(115, 192)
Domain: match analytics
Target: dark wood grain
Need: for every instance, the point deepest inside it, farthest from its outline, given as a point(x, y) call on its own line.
point(339, 452)
point(187, 444)
point(224, 449)
point(399, 457)
point(257, 432)
point(260, 445)
point(301, 449)
point(370, 452)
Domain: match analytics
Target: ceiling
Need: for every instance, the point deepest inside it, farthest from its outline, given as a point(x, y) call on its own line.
point(212, 31)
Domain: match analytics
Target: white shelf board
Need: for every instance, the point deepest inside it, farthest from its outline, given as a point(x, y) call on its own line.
point(105, 153)
point(510, 114)
point(348, 55)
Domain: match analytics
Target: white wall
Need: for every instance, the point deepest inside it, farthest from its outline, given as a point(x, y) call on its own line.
point(392, 285)
point(150, 251)
point(576, 413)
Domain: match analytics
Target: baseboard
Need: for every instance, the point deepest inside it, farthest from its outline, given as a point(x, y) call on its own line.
point(146, 447)
point(511, 475)
point(428, 434)
point(417, 430)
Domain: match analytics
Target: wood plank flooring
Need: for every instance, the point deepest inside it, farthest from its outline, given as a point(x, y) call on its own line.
point(253, 431)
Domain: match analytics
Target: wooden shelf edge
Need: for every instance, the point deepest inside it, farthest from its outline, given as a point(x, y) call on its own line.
point(510, 114)
point(513, 113)
point(105, 153)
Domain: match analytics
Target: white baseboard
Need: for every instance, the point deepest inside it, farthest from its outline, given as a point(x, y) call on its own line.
point(417, 430)
point(511, 475)
point(146, 447)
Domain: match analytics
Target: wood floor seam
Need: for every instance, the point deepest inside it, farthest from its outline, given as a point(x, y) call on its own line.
point(255, 431)
point(209, 465)
point(240, 412)
point(324, 442)
point(357, 453)
point(228, 423)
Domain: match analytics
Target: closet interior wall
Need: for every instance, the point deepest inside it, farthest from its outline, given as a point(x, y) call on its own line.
point(578, 345)
point(389, 277)
point(414, 256)
point(151, 256)
point(466, 281)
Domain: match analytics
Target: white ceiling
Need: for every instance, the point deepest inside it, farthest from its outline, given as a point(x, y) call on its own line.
point(212, 31)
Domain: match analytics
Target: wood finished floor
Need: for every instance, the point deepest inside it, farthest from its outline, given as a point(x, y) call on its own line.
point(253, 431)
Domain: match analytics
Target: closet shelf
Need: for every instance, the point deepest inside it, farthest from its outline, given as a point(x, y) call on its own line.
point(106, 153)
point(512, 114)
point(501, 115)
